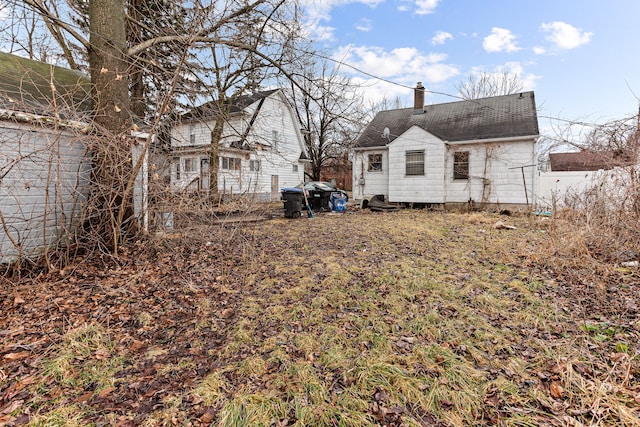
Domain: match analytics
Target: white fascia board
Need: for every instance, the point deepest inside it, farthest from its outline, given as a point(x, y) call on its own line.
point(378, 148)
point(504, 139)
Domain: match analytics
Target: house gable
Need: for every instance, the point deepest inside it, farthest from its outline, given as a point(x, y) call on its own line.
point(260, 149)
point(427, 187)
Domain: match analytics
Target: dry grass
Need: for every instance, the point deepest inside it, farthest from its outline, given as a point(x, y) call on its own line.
point(401, 319)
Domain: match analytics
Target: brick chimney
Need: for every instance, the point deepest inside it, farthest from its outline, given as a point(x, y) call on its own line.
point(418, 99)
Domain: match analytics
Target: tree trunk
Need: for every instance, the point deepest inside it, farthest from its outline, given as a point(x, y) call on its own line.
point(214, 162)
point(108, 65)
point(136, 75)
point(112, 151)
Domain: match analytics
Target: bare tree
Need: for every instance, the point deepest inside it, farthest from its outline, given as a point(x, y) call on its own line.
point(330, 109)
point(119, 36)
point(487, 84)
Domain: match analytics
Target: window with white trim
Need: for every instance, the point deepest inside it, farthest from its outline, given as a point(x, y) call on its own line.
point(375, 163)
point(414, 162)
point(230, 163)
point(190, 164)
point(254, 165)
point(192, 135)
point(461, 165)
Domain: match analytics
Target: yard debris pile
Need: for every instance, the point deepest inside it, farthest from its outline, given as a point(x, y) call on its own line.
point(413, 318)
point(377, 204)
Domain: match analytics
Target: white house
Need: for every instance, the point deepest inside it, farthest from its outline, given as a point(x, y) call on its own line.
point(261, 150)
point(479, 151)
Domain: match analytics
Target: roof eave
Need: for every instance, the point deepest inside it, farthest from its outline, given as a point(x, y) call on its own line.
point(493, 140)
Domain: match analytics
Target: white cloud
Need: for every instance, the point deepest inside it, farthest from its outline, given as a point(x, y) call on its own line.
point(419, 7)
point(425, 7)
point(400, 64)
point(441, 37)
point(393, 73)
point(318, 11)
point(565, 36)
point(539, 50)
point(364, 24)
point(500, 40)
point(528, 80)
point(323, 32)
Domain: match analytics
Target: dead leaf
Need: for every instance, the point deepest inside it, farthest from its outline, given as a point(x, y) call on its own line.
point(18, 300)
point(556, 390)
point(227, 313)
point(136, 346)
point(17, 356)
point(617, 357)
point(84, 398)
point(12, 406)
point(107, 391)
point(207, 417)
point(102, 354)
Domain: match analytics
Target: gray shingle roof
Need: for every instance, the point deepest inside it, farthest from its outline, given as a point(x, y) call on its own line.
point(25, 86)
point(486, 118)
point(239, 103)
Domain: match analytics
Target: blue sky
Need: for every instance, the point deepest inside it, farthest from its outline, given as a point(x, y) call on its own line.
point(579, 56)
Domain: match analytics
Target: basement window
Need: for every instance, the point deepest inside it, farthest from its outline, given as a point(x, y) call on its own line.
point(414, 162)
point(375, 163)
point(461, 165)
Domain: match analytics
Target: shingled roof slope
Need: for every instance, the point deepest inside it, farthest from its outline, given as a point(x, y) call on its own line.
point(25, 86)
point(239, 103)
point(486, 118)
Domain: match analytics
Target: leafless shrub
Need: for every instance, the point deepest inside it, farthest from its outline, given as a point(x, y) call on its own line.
point(606, 216)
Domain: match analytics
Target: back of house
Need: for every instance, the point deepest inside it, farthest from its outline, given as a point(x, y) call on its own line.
point(478, 152)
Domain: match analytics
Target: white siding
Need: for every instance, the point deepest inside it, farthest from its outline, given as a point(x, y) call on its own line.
point(428, 188)
point(495, 171)
point(44, 178)
point(277, 155)
point(579, 189)
point(366, 182)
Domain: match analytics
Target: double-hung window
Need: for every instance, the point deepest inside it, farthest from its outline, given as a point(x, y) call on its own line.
point(414, 162)
point(254, 165)
point(461, 165)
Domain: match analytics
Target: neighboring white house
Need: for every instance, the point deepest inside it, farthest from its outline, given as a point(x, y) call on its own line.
point(480, 151)
point(261, 150)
